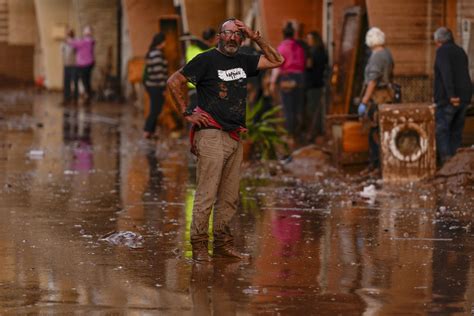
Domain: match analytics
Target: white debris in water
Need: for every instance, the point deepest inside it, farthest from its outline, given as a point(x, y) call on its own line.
point(36, 154)
point(125, 238)
point(442, 208)
point(250, 291)
point(370, 193)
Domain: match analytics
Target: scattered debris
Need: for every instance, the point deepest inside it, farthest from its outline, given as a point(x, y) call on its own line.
point(308, 158)
point(312, 152)
point(369, 192)
point(124, 238)
point(422, 239)
point(251, 291)
point(36, 154)
point(457, 172)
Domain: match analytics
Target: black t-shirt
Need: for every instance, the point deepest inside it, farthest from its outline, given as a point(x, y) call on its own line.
point(221, 83)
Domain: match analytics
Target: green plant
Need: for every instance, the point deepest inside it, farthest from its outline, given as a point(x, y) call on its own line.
point(265, 131)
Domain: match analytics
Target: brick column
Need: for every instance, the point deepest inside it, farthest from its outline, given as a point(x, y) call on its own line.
point(101, 15)
point(52, 16)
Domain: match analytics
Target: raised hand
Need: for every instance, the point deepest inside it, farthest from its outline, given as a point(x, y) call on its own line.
point(246, 30)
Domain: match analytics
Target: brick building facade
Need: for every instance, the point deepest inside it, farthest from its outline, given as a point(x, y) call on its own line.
point(29, 47)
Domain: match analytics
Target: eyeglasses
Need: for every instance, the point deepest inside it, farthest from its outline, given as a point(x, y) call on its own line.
point(229, 33)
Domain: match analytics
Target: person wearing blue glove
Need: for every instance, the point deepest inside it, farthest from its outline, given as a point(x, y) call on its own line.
point(361, 109)
point(377, 74)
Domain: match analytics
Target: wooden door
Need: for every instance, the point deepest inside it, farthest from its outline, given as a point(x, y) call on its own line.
point(451, 16)
point(170, 25)
point(344, 68)
point(350, 139)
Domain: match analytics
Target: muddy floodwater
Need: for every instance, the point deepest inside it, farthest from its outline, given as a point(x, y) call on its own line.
point(95, 221)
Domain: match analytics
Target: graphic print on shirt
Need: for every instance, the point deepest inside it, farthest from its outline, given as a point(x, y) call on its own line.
point(231, 74)
point(223, 90)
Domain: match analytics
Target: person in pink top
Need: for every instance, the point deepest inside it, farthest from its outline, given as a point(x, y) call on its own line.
point(290, 80)
point(85, 59)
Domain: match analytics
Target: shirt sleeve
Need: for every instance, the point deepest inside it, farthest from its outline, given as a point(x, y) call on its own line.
point(195, 69)
point(251, 64)
point(375, 69)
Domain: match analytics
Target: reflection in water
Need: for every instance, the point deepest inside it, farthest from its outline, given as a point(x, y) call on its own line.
point(451, 268)
point(211, 288)
point(155, 176)
point(188, 209)
point(310, 254)
point(77, 132)
point(287, 229)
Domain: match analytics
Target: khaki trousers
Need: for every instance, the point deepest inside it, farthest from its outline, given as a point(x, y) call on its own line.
point(219, 158)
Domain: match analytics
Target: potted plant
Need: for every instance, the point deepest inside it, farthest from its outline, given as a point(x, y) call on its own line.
point(265, 132)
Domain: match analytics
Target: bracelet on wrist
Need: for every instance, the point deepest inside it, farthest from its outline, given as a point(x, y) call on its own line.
point(187, 113)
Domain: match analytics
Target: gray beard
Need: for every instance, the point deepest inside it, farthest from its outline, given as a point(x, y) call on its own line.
point(221, 47)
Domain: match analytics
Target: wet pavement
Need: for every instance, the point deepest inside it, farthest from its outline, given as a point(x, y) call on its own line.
point(72, 178)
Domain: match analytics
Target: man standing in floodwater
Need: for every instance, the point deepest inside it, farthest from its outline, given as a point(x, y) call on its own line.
point(452, 93)
point(220, 76)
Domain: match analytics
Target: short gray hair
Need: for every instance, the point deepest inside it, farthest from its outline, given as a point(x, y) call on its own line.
point(375, 37)
point(443, 35)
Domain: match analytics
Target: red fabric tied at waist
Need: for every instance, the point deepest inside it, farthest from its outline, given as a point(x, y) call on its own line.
point(234, 134)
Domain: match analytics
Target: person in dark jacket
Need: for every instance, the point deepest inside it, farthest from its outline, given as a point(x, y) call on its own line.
point(452, 93)
point(316, 65)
